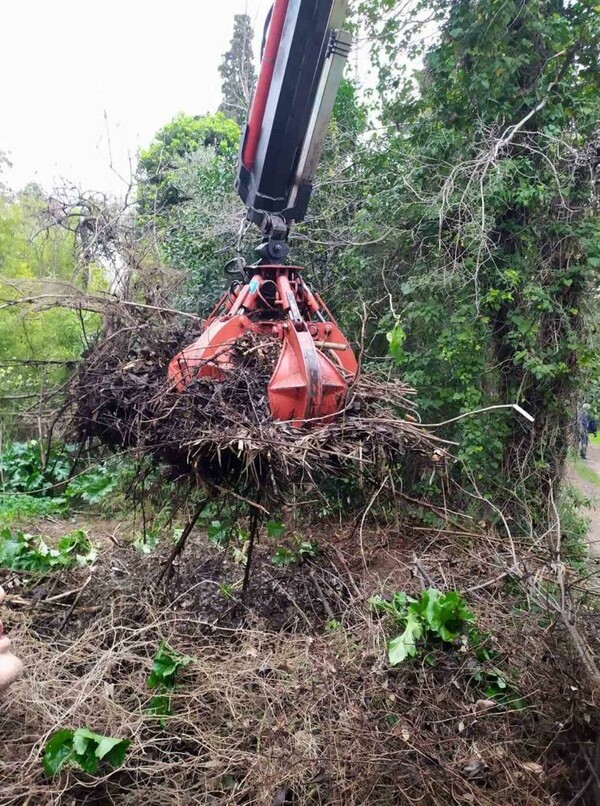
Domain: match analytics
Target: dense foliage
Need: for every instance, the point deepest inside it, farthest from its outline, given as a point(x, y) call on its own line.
point(175, 141)
point(484, 181)
point(37, 262)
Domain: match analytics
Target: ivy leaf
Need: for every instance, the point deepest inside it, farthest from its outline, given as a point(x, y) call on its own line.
point(165, 666)
point(405, 644)
point(57, 751)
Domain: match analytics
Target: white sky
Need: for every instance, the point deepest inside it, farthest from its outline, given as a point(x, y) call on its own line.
point(86, 81)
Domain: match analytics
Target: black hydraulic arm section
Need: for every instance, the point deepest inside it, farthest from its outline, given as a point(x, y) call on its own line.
point(304, 53)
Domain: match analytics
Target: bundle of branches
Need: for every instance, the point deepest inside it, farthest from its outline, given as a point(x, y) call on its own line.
point(222, 430)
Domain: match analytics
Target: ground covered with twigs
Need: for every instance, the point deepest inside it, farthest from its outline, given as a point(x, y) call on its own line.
point(290, 698)
point(221, 431)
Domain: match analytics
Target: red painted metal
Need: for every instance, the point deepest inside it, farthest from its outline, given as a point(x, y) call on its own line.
point(306, 386)
point(310, 381)
point(210, 355)
point(261, 94)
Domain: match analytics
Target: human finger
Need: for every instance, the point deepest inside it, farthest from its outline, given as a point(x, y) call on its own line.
point(10, 669)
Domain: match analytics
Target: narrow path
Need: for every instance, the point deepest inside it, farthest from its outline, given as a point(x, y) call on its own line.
point(585, 476)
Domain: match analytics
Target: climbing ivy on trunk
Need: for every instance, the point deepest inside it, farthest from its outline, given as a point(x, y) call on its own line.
point(489, 161)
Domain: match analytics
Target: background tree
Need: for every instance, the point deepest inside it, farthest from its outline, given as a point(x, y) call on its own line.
point(39, 260)
point(485, 180)
point(237, 71)
point(4, 164)
point(188, 208)
point(157, 188)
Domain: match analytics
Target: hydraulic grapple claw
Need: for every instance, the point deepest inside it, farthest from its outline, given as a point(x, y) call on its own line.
point(310, 378)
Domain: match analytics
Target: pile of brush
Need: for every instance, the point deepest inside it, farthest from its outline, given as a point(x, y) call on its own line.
point(222, 430)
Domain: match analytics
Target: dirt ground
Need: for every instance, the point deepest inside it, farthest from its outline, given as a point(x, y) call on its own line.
point(290, 699)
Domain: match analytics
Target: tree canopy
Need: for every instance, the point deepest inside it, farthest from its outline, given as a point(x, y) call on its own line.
point(175, 141)
point(237, 71)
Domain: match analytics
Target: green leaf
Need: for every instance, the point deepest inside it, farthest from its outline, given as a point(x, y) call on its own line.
point(284, 557)
point(107, 746)
point(81, 738)
point(445, 614)
point(405, 644)
point(112, 750)
point(23, 552)
point(84, 748)
point(275, 529)
point(11, 548)
point(226, 590)
point(57, 751)
point(165, 666)
point(396, 607)
point(396, 338)
point(219, 534)
point(308, 548)
point(159, 707)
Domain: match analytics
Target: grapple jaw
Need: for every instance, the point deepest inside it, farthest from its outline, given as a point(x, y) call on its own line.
point(310, 379)
point(306, 385)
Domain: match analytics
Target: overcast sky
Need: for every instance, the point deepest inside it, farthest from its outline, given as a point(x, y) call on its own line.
point(86, 84)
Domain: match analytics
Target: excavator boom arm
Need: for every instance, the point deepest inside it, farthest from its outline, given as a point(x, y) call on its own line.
point(303, 60)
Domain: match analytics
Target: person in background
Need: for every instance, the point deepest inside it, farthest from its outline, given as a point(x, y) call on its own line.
point(586, 425)
point(10, 666)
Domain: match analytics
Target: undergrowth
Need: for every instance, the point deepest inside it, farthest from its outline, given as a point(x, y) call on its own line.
point(24, 552)
point(574, 526)
point(35, 482)
point(16, 507)
point(296, 716)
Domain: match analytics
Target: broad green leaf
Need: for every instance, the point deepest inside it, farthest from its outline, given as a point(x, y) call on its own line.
point(81, 739)
point(57, 751)
point(396, 338)
point(405, 644)
point(113, 750)
point(87, 761)
point(84, 748)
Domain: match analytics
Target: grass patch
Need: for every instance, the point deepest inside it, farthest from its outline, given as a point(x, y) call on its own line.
point(15, 507)
point(586, 473)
